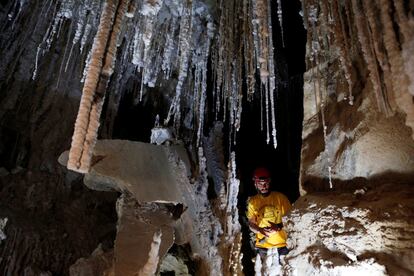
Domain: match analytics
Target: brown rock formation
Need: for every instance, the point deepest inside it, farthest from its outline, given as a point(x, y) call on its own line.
point(363, 132)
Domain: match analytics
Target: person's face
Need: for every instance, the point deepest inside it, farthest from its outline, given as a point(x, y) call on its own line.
point(262, 185)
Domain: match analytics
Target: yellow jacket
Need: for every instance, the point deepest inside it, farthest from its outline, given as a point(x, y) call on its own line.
point(266, 209)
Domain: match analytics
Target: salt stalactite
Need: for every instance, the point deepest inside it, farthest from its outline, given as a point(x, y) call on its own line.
point(262, 15)
point(16, 11)
point(184, 48)
point(234, 98)
point(57, 19)
point(226, 59)
point(66, 10)
point(378, 47)
point(85, 35)
point(255, 32)
point(43, 14)
point(64, 55)
point(43, 46)
point(280, 17)
point(260, 38)
point(150, 267)
point(80, 27)
point(137, 45)
point(89, 14)
point(266, 92)
point(263, 43)
point(261, 110)
point(239, 78)
point(369, 56)
point(391, 45)
point(219, 64)
point(150, 11)
point(248, 47)
point(98, 73)
point(34, 74)
point(93, 7)
point(169, 49)
point(320, 99)
point(203, 80)
point(342, 45)
point(152, 69)
point(231, 95)
point(272, 77)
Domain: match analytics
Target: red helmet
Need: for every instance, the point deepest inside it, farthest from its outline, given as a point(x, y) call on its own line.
point(261, 173)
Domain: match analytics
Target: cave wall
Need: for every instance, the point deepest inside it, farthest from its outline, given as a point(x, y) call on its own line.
point(358, 94)
point(52, 218)
point(357, 162)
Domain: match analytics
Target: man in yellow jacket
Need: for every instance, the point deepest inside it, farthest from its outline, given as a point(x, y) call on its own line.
point(264, 212)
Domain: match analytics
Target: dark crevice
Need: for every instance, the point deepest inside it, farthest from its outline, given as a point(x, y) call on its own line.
point(251, 149)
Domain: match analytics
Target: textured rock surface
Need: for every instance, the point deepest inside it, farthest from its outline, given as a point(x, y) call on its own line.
point(99, 263)
point(360, 142)
point(355, 123)
point(367, 231)
point(357, 164)
point(142, 169)
point(157, 195)
point(137, 225)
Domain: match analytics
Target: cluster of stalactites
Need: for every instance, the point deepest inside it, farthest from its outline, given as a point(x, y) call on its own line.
point(161, 37)
point(378, 26)
point(244, 48)
point(84, 19)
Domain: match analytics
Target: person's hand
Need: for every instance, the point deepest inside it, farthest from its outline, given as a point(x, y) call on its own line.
point(276, 226)
point(266, 231)
point(269, 231)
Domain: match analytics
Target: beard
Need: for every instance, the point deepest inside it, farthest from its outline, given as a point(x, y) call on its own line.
point(264, 194)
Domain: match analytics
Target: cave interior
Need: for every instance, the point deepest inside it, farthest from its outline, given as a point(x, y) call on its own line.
point(129, 131)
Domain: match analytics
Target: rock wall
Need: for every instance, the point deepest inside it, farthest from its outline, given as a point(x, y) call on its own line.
point(357, 163)
point(344, 233)
point(52, 218)
point(358, 95)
